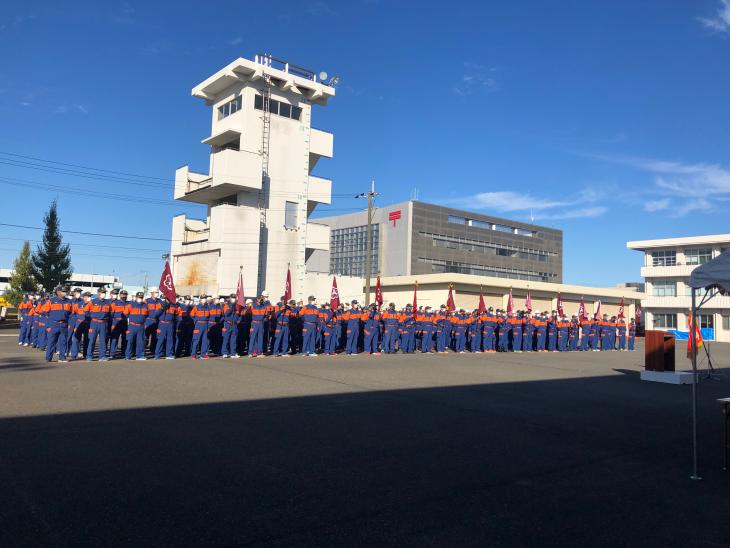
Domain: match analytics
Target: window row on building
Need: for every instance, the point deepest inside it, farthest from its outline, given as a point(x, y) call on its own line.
point(230, 107)
point(348, 250)
point(695, 256)
point(475, 223)
point(438, 265)
point(706, 321)
point(488, 248)
point(279, 108)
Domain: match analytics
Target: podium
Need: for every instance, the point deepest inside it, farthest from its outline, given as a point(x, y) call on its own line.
point(659, 351)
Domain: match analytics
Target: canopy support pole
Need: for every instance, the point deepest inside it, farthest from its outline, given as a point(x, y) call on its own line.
point(692, 330)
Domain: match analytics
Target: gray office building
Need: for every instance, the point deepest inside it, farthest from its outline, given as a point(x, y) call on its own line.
point(411, 238)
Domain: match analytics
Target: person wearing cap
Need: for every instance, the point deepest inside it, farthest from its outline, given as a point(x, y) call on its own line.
point(407, 329)
point(573, 333)
point(58, 309)
point(166, 330)
point(585, 330)
point(428, 328)
point(118, 328)
point(540, 321)
point(563, 333)
point(99, 310)
point(596, 333)
point(352, 319)
point(80, 340)
point(328, 316)
point(200, 313)
point(77, 325)
point(621, 329)
point(229, 328)
point(489, 325)
point(136, 312)
point(154, 310)
point(309, 315)
point(215, 324)
point(244, 328)
point(283, 315)
point(552, 332)
point(632, 334)
point(371, 330)
point(269, 323)
point(42, 321)
point(260, 312)
point(183, 326)
point(34, 316)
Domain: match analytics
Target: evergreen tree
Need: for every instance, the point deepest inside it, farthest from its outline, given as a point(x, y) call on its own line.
point(52, 259)
point(22, 279)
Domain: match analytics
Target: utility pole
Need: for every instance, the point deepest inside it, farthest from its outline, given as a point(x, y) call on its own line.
point(370, 195)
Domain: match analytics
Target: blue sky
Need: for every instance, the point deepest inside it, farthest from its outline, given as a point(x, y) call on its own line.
point(608, 120)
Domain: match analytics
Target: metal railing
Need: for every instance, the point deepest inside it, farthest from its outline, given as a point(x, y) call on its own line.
point(197, 185)
point(279, 64)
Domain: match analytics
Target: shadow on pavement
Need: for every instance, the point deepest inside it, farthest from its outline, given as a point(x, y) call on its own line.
point(584, 461)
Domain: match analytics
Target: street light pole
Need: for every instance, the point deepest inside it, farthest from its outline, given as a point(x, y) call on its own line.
point(370, 195)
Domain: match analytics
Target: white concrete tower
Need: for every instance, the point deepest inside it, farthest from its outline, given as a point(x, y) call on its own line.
point(259, 190)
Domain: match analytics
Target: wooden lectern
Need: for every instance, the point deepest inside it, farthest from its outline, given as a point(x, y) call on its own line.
point(659, 351)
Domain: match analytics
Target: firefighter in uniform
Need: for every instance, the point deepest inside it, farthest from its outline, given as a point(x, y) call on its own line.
point(58, 309)
point(136, 313)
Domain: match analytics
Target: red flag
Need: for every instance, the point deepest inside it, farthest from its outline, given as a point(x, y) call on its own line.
point(597, 315)
point(334, 295)
point(240, 298)
point(287, 287)
point(637, 314)
point(415, 299)
point(450, 306)
point(621, 309)
point(697, 335)
point(528, 301)
point(378, 293)
point(510, 303)
point(561, 311)
point(167, 286)
point(482, 306)
point(582, 310)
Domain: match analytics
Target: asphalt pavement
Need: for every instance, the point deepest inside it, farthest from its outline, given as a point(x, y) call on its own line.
point(459, 450)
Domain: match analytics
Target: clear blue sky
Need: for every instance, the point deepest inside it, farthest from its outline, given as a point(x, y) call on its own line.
point(608, 120)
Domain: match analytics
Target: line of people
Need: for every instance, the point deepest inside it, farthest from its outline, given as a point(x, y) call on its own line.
point(84, 326)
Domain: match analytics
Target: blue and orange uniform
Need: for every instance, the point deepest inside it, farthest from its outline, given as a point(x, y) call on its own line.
point(80, 323)
point(231, 319)
point(461, 323)
point(136, 313)
point(183, 329)
point(489, 328)
point(154, 311)
point(99, 310)
point(58, 310)
point(309, 315)
point(24, 309)
point(260, 313)
point(166, 331)
point(390, 329)
point(42, 323)
point(371, 331)
point(330, 331)
point(632, 334)
point(563, 334)
point(215, 326)
point(118, 329)
point(199, 314)
point(528, 334)
point(407, 328)
point(552, 334)
point(541, 333)
point(282, 317)
point(621, 327)
point(585, 330)
point(352, 319)
point(573, 334)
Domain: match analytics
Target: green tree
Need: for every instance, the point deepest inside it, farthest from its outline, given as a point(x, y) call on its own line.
point(52, 259)
point(22, 279)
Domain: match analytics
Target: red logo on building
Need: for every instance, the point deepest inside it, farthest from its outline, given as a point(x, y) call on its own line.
point(394, 216)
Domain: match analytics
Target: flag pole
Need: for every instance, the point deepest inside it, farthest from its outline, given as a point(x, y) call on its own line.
point(693, 337)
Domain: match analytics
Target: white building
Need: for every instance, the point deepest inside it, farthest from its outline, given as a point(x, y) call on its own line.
point(259, 189)
point(87, 282)
point(668, 264)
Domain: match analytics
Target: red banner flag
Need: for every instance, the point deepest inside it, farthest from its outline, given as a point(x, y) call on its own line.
point(510, 303)
point(240, 297)
point(167, 286)
point(637, 314)
point(378, 293)
point(582, 310)
point(561, 311)
point(334, 295)
point(482, 307)
point(287, 286)
point(621, 309)
point(528, 301)
point(450, 306)
point(597, 315)
point(697, 335)
point(415, 299)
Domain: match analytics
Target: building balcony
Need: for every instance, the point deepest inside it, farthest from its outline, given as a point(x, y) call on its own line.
point(321, 143)
point(680, 270)
point(233, 171)
point(320, 190)
point(318, 236)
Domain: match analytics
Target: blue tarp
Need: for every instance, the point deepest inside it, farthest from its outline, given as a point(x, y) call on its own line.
point(708, 334)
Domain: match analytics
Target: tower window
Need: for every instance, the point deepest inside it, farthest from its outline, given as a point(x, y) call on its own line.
point(280, 108)
point(229, 108)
